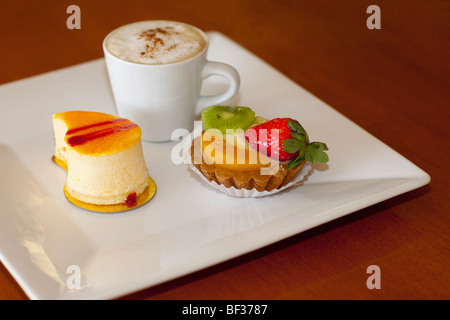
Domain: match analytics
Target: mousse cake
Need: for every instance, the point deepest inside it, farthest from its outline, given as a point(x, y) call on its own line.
point(103, 157)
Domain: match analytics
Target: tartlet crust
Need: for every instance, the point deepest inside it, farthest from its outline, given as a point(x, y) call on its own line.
point(245, 179)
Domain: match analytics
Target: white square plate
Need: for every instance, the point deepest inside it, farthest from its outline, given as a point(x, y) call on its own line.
point(187, 226)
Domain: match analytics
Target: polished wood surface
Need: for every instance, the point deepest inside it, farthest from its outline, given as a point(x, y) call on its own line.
point(394, 82)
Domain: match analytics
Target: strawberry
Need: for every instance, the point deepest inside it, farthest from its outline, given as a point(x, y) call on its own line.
point(267, 138)
point(284, 139)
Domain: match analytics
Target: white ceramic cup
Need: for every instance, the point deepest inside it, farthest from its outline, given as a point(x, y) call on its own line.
point(163, 97)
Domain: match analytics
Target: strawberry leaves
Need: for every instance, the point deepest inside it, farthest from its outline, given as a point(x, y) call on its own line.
point(314, 151)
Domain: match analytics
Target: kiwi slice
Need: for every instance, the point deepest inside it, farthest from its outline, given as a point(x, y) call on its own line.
point(227, 117)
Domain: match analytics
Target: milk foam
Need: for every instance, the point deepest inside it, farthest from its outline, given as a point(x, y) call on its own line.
point(155, 42)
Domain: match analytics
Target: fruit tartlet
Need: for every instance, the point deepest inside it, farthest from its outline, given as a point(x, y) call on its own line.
point(249, 156)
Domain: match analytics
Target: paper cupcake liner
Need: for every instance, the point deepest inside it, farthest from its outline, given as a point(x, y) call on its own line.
point(253, 193)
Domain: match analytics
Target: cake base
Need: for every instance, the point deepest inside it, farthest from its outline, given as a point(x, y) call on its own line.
point(141, 199)
point(59, 163)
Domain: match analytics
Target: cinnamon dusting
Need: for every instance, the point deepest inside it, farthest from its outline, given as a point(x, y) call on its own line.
point(154, 43)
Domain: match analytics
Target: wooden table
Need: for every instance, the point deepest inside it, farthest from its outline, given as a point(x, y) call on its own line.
point(393, 82)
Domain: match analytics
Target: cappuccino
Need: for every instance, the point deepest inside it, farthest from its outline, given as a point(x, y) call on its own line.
point(156, 42)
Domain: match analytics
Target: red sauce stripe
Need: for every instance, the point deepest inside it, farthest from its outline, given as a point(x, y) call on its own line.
point(72, 131)
point(78, 140)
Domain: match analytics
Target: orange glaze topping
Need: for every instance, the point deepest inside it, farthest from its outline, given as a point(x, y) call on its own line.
point(98, 133)
point(218, 151)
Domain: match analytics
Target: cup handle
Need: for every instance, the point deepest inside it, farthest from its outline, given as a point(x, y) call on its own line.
point(222, 69)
